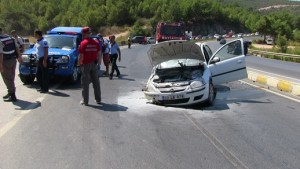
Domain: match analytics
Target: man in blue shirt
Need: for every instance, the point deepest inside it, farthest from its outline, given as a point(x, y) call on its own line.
point(41, 47)
point(114, 53)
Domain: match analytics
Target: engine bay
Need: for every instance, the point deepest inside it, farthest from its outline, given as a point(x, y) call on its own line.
point(178, 74)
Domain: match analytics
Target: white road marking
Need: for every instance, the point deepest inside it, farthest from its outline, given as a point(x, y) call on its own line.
point(276, 75)
point(8, 126)
point(15, 120)
point(270, 91)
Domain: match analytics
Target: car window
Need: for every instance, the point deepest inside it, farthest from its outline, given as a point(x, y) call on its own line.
point(230, 50)
point(207, 52)
point(61, 42)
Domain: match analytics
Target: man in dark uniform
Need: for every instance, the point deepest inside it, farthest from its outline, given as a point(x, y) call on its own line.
point(42, 73)
point(9, 52)
point(89, 55)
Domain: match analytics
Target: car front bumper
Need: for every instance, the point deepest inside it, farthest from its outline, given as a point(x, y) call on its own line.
point(186, 97)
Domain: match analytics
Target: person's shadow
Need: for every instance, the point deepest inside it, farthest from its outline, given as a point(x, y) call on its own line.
point(123, 77)
point(26, 105)
point(58, 93)
point(109, 107)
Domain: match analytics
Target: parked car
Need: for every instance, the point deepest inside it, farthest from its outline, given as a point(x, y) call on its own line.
point(186, 73)
point(198, 37)
point(204, 37)
point(62, 57)
point(269, 41)
point(150, 40)
point(222, 41)
point(219, 38)
point(26, 43)
point(138, 39)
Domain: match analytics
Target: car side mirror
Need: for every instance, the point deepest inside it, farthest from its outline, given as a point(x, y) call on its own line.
point(215, 60)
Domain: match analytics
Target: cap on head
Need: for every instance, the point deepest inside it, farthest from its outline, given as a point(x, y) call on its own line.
point(13, 31)
point(86, 30)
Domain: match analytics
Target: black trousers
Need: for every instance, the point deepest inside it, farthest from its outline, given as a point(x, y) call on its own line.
point(113, 60)
point(42, 75)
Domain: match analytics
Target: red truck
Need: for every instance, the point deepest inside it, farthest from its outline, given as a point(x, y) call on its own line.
point(170, 31)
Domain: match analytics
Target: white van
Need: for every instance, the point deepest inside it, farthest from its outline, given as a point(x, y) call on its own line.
point(269, 41)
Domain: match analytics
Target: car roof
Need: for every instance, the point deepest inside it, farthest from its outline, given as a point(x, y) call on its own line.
point(73, 30)
point(64, 35)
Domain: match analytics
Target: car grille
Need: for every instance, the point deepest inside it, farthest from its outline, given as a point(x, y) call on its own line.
point(177, 101)
point(52, 59)
point(171, 90)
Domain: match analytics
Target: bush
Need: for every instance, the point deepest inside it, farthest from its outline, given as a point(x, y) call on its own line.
point(282, 43)
point(139, 30)
point(296, 35)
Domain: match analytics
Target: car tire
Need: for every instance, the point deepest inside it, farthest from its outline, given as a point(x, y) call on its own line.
point(211, 95)
point(27, 79)
point(75, 75)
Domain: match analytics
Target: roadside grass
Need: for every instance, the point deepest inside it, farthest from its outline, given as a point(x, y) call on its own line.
point(293, 49)
point(106, 31)
point(122, 40)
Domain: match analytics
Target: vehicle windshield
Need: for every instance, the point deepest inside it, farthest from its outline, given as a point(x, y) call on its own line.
point(179, 63)
point(172, 30)
point(61, 42)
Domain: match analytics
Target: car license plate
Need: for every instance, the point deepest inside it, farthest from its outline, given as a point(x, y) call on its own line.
point(172, 97)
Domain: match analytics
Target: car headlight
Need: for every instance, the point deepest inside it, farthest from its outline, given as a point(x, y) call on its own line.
point(63, 59)
point(25, 58)
point(197, 84)
point(151, 88)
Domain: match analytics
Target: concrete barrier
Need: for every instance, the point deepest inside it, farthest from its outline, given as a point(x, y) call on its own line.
point(280, 84)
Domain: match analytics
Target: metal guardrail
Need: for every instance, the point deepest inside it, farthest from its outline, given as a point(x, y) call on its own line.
point(282, 55)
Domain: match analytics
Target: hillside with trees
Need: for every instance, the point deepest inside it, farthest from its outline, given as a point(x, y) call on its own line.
point(258, 4)
point(201, 16)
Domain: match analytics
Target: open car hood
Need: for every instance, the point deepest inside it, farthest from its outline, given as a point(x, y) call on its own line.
point(170, 50)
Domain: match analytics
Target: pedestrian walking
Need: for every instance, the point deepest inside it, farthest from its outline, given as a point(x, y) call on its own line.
point(89, 56)
point(19, 40)
point(9, 52)
point(114, 54)
point(42, 73)
point(106, 60)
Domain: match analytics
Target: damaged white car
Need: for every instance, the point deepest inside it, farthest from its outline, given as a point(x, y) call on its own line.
point(185, 73)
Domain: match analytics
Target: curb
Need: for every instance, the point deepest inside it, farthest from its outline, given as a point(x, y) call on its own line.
point(280, 84)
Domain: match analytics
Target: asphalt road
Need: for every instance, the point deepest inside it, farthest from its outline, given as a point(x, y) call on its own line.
point(246, 128)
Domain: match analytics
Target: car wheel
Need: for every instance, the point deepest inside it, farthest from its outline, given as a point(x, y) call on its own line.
point(211, 95)
point(27, 79)
point(75, 75)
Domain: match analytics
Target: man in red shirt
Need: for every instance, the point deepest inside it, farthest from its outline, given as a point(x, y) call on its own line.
point(89, 55)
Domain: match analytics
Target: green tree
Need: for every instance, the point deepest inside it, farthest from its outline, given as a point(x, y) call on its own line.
point(282, 43)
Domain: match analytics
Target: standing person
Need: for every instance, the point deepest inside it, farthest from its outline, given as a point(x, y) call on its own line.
point(9, 52)
point(114, 53)
point(145, 40)
point(129, 42)
point(89, 54)
point(19, 40)
point(105, 50)
point(42, 73)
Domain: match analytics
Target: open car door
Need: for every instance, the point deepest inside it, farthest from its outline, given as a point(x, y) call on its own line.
point(228, 63)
